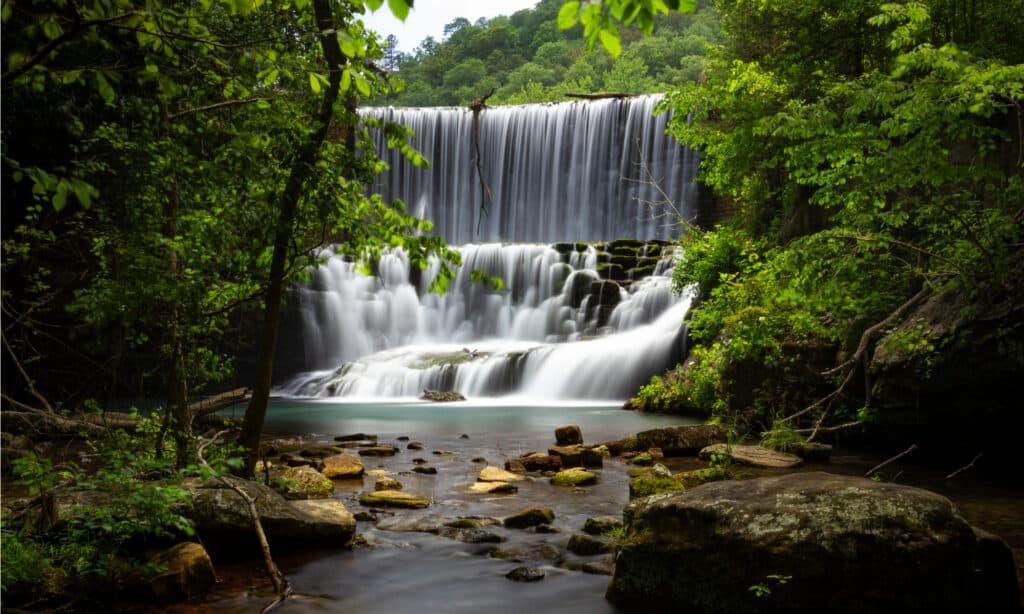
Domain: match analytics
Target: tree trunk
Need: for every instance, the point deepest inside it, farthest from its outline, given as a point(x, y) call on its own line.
point(301, 167)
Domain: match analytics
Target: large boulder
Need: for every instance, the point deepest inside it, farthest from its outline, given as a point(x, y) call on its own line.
point(578, 456)
point(220, 514)
point(681, 440)
point(182, 572)
point(568, 435)
point(818, 542)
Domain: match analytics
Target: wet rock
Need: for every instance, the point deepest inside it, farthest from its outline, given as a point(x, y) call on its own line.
point(660, 471)
point(387, 483)
point(442, 396)
point(532, 552)
point(545, 528)
point(530, 517)
point(385, 450)
point(604, 567)
point(425, 469)
point(681, 440)
point(343, 467)
point(394, 498)
point(577, 456)
point(588, 545)
point(185, 571)
point(515, 465)
point(645, 486)
point(525, 574)
point(494, 487)
point(303, 483)
point(643, 459)
point(753, 456)
point(294, 460)
point(692, 479)
point(356, 437)
point(569, 435)
point(402, 438)
point(443, 452)
point(419, 461)
point(219, 513)
point(541, 462)
point(480, 459)
point(843, 543)
point(464, 436)
point(414, 445)
point(495, 474)
point(810, 451)
point(419, 524)
point(320, 451)
point(470, 536)
point(574, 477)
point(602, 524)
point(365, 517)
point(619, 446)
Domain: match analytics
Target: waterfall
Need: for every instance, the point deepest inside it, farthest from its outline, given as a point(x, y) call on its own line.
point(572, 171)
point(584, 314)
point(558, 331)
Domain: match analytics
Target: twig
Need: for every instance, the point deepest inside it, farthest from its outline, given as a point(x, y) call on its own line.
point(281, 585)
point(28, 380)
point(831, 429)
point(485, 190)
point(879, 466)
point(168, 116)
point(965, 467)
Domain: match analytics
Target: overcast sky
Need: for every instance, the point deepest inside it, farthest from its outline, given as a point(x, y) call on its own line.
point(428, 17)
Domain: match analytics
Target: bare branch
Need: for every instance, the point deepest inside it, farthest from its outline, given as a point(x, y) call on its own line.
point(883, 464)
point(212, 107)
point(28, 380)
point(965, 467)
point(486, 195)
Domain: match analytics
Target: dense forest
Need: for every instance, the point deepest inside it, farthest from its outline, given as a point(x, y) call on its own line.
point(527, 58)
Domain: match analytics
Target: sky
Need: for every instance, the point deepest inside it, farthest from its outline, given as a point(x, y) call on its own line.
point(428, 18)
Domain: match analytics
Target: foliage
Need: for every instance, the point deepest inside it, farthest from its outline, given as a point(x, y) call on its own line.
point(862, 171)
point(540, 54)
point(764, 589)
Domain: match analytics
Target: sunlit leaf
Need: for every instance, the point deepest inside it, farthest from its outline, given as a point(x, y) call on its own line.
point(400, 8)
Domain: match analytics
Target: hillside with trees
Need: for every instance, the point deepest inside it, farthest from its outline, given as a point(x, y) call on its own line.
point(526, 58)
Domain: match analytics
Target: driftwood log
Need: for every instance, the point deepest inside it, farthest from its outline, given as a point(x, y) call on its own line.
point(599, 95)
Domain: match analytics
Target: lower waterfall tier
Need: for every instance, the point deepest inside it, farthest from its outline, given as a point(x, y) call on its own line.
point(574, 321)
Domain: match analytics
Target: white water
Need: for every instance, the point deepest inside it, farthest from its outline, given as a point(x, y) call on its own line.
point(571, 171)
point(576, 171)
point(376, 337)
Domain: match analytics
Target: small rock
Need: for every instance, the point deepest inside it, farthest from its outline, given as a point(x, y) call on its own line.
point(480, 459)
point(574, 477)
point(541, 462)
point(320, 451)
point(515, 465)
point(463, 436)
point(494, 487)
point(494, 474)
point(530, 517)
point(356, 437)
point(384, 450)
point(304, 482)
point(577, 456)
point(545, 528)
point(643, 459)
point(365, 517)
point(605, 567)
point(470, 536)
point(587, 545)
point(425, 469)
point(568, 435)
point(394, 498)
point(660, 471)
point(440, 396)
point(343, 466)
point(387, 483)
point(525, 574)
point(441, 452)
point(402, 438)
point(414, 445)
point(419, 461)
point(601, 524)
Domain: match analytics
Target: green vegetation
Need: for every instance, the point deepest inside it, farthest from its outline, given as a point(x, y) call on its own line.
point(873, 175)
point(526, 57)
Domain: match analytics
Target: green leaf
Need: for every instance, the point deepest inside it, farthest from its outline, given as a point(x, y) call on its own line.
point(60, 198)
point(362, 85)
point(400, 8)
point(105, 89)
point(314, 82)
point(346, 80)
point(347, 46)
point(611, 43)
point(373, 5)
point(567, 15)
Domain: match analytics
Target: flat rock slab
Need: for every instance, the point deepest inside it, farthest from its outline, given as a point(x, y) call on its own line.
point(753, 456)
point(379, 451)
point(496, 474)
point(680, 440)
point(343, 467)
point(394, 498)
point(574, 477)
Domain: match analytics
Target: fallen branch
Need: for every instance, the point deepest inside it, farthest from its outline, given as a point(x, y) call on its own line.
point(217, 402)
point(24, 376)
point(831, 429)
point(600, 95)
point(281, 585)
point(965, 467)
point(883, 464)
point(485, 190)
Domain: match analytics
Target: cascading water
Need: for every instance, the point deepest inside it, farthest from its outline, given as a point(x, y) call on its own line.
point(575, 321)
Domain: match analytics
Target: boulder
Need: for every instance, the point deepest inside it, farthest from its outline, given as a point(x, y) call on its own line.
point(515, 465)
point(185, 571)
point(303, 482)
point(219, 513)
point(577, 456)
point(530, 517)
point(604, 567)
point(753, 456)
point(414, 445)
point(568, 435)
point(576, 476)
point(425, 469)
point(394, 498)
point(441, 396)
point(681, 440)
point(343, 467)
point(495, 474)
point(384, 450)
point(837, 543)
point(537, 462)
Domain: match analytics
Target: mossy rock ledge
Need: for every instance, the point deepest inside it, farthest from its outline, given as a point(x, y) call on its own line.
point(842, 544)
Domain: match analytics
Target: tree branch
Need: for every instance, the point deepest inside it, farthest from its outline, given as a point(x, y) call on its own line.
point(49, 47)
point(28, 380)
point(883, 464)
point(211, 107)
point(485, 190)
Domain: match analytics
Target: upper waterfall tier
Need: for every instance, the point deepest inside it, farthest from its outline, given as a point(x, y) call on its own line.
point(573, 171)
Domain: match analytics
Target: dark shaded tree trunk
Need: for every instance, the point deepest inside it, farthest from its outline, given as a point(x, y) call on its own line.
point(301, 167)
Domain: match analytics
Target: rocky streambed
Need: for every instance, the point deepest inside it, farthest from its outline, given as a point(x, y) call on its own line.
point(468, 522)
